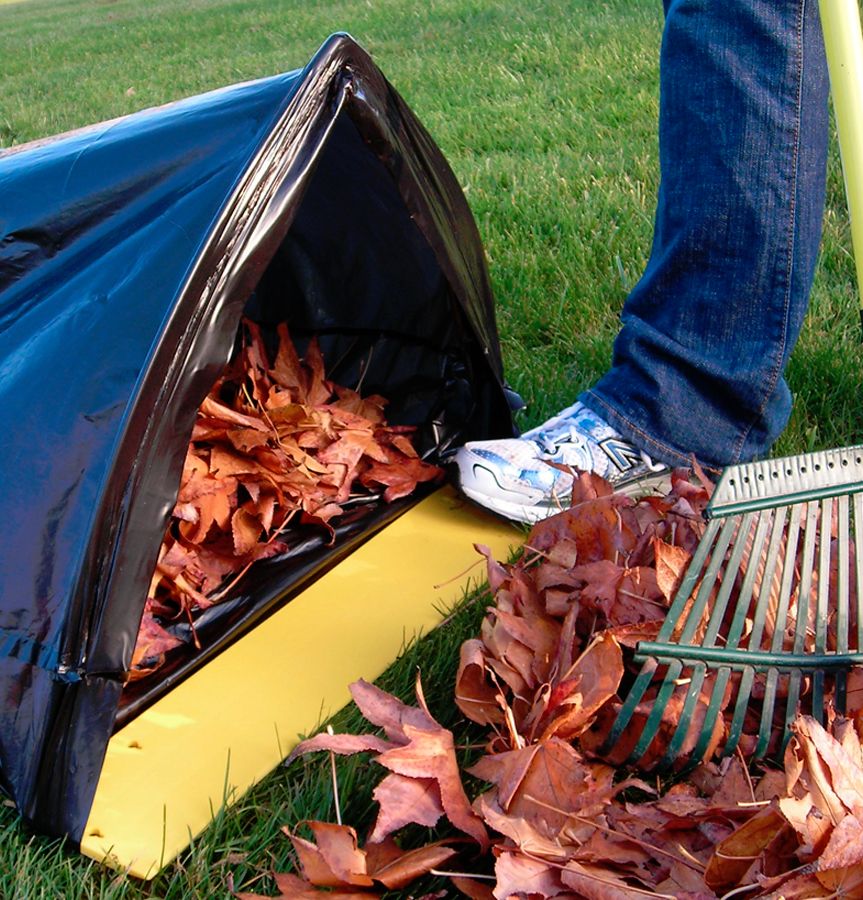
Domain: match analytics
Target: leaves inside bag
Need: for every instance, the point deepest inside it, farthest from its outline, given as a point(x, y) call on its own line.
point(275, 447)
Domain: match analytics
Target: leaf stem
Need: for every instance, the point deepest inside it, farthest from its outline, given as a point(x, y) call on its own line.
point(336, 800)
point(462, 875)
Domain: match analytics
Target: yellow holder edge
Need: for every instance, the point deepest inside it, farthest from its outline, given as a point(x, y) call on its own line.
point(205, 743)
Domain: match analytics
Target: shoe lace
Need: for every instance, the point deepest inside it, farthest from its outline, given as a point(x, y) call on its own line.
point(551, 439)
point(651, 463)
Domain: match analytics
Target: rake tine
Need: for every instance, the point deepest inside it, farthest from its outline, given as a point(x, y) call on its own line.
point(759, 615)
point(791, 543)
point(762, 523)
point(769, 702)
point(858, 564)
point(808, 567)
point(810, 531)
point(732, 641)
point(626, 712)
point(767, 709)
point(714, 709)
point(724, 595)
point(794, 680)
point(696, 611)
point(747, 589)
point(690, 580)
point(654, 720)
point(842, 596)
point(821, 613)
point(747, 676)
point(697, 679)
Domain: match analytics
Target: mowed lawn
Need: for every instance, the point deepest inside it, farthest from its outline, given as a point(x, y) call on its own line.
point(547, 113)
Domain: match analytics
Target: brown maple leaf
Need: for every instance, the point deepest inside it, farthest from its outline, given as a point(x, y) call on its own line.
point(292, 887)
point(547, 783)
point(335, 861)
point(430, 755)
point(404, 801)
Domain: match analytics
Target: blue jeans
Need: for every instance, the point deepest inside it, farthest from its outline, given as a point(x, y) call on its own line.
point(707, 331)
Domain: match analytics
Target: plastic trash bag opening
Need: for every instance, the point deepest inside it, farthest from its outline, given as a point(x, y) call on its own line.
point(355, 273)
point(130, 255)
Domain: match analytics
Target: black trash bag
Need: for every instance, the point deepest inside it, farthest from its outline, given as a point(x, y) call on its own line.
point(128, 253)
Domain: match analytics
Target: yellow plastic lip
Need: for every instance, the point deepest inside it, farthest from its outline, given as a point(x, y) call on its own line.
point(206, 742)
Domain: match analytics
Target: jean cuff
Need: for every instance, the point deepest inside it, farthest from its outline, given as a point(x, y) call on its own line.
point(655, 448)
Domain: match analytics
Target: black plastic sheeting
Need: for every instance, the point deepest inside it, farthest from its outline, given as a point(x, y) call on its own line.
point(128, 252)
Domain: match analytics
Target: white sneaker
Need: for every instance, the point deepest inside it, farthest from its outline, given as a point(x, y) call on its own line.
point(512, 476)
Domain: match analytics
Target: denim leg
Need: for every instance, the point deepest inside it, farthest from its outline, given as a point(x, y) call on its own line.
point(706, 333)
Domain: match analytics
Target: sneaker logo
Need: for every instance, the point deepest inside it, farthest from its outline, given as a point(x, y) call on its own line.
point(622, 455)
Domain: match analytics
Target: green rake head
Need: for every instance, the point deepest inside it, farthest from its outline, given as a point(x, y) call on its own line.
point(767, 620)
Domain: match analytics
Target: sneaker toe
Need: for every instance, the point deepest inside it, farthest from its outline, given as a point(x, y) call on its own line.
point(507, 467)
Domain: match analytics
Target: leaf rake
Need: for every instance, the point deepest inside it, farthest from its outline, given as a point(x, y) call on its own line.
point(769, 611)
point(772, 602)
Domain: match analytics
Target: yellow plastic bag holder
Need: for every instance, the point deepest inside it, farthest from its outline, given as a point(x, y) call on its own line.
point(205, 743)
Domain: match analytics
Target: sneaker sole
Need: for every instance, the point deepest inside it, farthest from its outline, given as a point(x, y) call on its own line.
point(519, 512)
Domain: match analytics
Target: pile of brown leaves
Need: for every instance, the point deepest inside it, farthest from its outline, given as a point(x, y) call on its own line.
point(558, 825)
point(591, 582)
point(558, 821)
point(274, 444)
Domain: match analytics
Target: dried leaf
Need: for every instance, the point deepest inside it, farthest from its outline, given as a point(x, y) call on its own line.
point(845, 847)
point(839, 776)
point(547, 783)
point(590, 683)
point(246, 530)
point(477, 693)
point(292, 887)
point(388, 712)
point(526, 838)
point(344, 863)
point(603, 528)
point(671, 564)
point(739, 853)
point(430, 754)
point(412, 864)
point(472, 888)
point(404, 801)
point(318, 869)
point(599, 883)
point(519, 876)
point(345, 744)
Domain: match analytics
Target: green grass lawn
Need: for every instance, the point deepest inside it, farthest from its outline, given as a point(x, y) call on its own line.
point(547, 113)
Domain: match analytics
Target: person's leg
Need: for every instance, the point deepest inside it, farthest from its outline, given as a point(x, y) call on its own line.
point(698, 364)
point(706, 333)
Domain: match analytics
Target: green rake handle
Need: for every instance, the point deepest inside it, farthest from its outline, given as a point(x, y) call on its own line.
point(840, 22)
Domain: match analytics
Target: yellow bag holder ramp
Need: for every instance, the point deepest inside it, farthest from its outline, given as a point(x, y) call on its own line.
point(236, 718)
